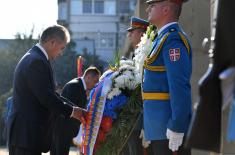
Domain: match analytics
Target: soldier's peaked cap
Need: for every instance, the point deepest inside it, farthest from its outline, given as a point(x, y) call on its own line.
point(138, 23)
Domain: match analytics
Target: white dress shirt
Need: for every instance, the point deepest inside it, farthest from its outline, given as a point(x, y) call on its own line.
point(84, 83)
point(43, 50)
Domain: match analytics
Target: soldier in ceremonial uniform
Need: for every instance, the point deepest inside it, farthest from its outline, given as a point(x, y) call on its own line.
point(166, 82)
point(136, 30)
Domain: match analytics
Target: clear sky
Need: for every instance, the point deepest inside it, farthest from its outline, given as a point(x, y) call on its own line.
point(22, 15)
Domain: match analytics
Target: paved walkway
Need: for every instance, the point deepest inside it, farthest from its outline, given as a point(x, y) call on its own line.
point(3, 151)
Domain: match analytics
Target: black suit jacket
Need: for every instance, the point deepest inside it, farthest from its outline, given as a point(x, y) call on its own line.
point(75, 92)
point(34, 103)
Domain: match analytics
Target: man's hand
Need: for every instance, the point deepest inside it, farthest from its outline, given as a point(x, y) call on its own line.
point(175, 139)
point(145, 143)
point(80, 114)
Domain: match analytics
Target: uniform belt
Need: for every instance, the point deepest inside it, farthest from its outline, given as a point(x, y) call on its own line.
point(155, 96)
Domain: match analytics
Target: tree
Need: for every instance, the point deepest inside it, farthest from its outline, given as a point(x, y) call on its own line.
point(3, 99)
point(65, 66)
point(92, 60)
point(10, 56)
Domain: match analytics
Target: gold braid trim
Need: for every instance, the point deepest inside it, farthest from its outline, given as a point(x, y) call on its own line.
point(155, 96)
point(151, 59)
point(154, 68)
point(185, 41)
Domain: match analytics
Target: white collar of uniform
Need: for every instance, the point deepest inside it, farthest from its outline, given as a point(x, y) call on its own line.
point(165, 26)
point(84, 83)
point(43, 50)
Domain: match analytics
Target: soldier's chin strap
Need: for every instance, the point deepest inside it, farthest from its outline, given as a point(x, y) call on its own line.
point(175, 139)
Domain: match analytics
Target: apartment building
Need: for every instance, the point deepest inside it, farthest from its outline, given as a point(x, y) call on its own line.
point(97, 26)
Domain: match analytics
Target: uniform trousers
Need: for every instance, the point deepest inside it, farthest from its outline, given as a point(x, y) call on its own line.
point(160, 147)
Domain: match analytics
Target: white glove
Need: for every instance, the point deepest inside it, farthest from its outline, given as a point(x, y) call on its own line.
point(175, 139)
point(145, 143)
point(78, 139)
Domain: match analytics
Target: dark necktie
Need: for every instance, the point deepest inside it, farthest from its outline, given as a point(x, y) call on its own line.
point(51, 74)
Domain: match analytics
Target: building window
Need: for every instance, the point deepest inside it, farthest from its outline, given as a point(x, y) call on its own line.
point(110, 42)
point(63, 11)
point(87, 6)
point(124, 6)
point(110, 7)
point(106, 42)
point(59, 1)
point(75, 7)
point(99, 6)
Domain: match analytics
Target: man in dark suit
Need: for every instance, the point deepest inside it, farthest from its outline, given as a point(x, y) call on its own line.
point(67, 128)
point(35, 102)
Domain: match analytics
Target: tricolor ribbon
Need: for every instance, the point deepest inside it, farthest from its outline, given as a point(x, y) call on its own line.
point(95, 113)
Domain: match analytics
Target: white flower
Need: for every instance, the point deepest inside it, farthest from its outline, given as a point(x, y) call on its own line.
point(126, 62)
point(132, 84)
point(129, 74)
point(123, 78)
point(138, 78)
point(143, 50)
point(126, 67)
point(121, 81)
point(113, 92)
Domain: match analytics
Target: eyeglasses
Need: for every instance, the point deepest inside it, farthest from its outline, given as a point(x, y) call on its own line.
point(159, 1)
